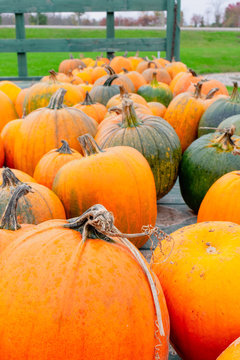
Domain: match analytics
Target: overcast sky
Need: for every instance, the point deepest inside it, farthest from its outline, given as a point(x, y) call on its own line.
point(189, 8)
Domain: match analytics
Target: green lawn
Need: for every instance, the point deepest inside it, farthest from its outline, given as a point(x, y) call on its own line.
point(205, 52)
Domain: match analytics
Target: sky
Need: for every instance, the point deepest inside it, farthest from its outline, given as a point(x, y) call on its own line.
point(189, 7)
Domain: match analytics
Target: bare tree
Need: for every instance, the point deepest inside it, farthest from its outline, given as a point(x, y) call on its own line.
point(196, 20)
point(216, 5)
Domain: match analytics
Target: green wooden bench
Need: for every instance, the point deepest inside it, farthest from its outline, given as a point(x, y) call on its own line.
point(21, 45)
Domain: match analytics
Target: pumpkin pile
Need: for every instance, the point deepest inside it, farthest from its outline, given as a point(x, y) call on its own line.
point(99, 143)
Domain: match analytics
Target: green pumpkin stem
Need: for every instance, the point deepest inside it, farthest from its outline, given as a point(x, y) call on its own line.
point(89, 145)
point(109, 81)
point(235, 97)
point(9, 217)
point(65, 148)
point(9, 178)
point(225, 141)
point(129, 116)
point(198, 89)
point(154, 82)
point(56, 101)
point(88, 100)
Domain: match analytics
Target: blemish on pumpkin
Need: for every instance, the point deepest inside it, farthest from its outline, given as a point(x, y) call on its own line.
point(211, 250)
point(211, 230)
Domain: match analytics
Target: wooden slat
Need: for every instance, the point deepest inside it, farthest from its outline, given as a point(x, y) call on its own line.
point(110, 31)
point(27, 6)
point(20, 34)
point(82, 45)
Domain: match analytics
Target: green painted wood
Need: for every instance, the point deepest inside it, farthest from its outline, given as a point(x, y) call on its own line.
point(82, 45)
point(28, 6)
point(170, 22)
point(173, 30)
point(110, 31)
point(20, 34)
point(177, 34)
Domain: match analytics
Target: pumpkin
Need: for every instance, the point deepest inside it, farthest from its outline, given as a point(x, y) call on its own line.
point(95, 182)
point(10, 89)
point(19, 102)
point(102, 93)
point(8, 138)
point(161, 75)
point(135, 60)
point(95, 110)
point(184, 113)
point(157, 108)
point(184, 81)
point(156, 91)
point(137, 79)
point(146, 64)
point(61, 77)
point(20, 175)
point(120, 62)
point(205, 161)
point(51, 162)
point(97, 73)
point(40, 205)
point(200, 280)
point(211, 84)
point(175, 67)
point(116, 100)
point(68, 65)
point(9, 227)
point(163, 62)
point(219, 111)
point(231, 121)
point(7, 110)
point(232, 352)
point(74, 277)
point(2, 153)
point(43, 129)
point(153, 137)
point(39, 94)
point(219, 203)
point(119, 79)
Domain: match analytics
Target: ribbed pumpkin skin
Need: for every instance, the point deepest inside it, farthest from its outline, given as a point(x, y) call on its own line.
point(232, 120)
point(20, 101)
point(202, 164)
point(160, 93)
point(83, 302)
point(22, 176)
point(216, 113)
point(201, 285)
point(2, 153)
point(7, 110)
point(9, 135)
point(68, 65)
point(43, 130)
point(50, 163)
point(128, 191)
point(155, 139)
point(184, 113)
point(219, 203)
point(102, 94)
point(39, 95)
point(232, 352)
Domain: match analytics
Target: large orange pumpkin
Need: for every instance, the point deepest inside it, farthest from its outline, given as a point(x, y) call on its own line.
point(9, 136)
point(51, 162)
point(7, 110)
point(201, 283)
point(68, 65)
point(43, 130)
point(128, 191)
point(232, 352)
point(79, 299)
point(93, 109)
point(10, 89)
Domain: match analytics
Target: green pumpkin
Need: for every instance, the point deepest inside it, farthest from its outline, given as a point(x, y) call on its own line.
point(232, 120)
point(153, 137)
point(205, 161)
point(220, 110)
point(102, 93)
point(156, 91)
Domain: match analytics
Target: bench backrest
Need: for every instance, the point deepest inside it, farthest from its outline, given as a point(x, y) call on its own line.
point(110, 45)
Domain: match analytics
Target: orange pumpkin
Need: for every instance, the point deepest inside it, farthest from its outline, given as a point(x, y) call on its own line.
point(72, 283)
point(209, 85)
point(120, 79)
point(184, 81)
point(61, 77)
point(7, 110)
point(95, 110)
point(51, 162)
point(43, 129)
point(146, 64)
point(184, 113)
point(40, 205)
point(10, 89)
point(105, 185)
point(157, 108)
point(68, 65)
point(232, 352)
point(20, 101)
point(137, 79)
point(9, 136)
point(135, 60)
point(161, 75)
point(199, 274)
point(175, 67)
point(22, 176)
point(118, 63)
point(116, 100)
point(219, 203)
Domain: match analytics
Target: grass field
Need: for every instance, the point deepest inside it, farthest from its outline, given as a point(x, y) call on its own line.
point(205, 52)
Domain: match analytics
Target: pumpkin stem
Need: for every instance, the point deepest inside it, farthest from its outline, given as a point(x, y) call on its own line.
point(88, 100)
point(109, 70)
point(235, 94)
point(9, 178)
point(129, 116)
point(198, 89)
point(109, 81)
point(192, 72)
point(89, 145)
point(225, 141)
point(56, 101)
point(65, 148)
point(154, 81)
point(151, 62)
point(53, 75)
point(211, 93)
point(9, 217)
point(115, 109)
point(123, 91)
point(97, 223)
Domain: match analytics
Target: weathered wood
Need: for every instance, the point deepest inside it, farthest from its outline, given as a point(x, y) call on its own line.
point(110, 31)
point(20, 34)
point(28, 6)
point(82, 45)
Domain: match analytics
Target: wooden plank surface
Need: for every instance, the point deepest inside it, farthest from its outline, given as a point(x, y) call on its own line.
point(82, 45)
point(28, 6)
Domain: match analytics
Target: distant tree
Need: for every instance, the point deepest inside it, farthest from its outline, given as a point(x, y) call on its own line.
point(182, 20)
point(38, 19)
point(232, 15)
point(196, 20)
point(0, 19)
point(78, 16)
point(202, 22)
point(216, 6)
